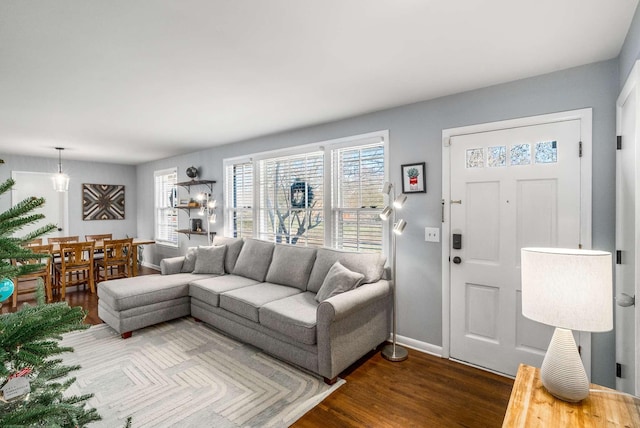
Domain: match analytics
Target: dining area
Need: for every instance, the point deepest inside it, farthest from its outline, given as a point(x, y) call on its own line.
point(69, 262)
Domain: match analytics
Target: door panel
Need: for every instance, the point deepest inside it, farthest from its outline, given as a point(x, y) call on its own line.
point(518, 187)
point(483, 199)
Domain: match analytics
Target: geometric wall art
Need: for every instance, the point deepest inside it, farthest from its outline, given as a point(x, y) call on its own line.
point(102, 202)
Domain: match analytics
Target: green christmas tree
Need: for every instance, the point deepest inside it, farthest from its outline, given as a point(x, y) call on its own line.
point(29, 338)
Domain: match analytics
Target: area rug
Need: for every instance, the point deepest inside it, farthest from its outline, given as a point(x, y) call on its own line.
point(183, 373)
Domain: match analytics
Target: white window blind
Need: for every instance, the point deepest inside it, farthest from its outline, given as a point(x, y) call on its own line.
point(239, 200)
point(292, 199)
point(166, 214)
point(357, 179)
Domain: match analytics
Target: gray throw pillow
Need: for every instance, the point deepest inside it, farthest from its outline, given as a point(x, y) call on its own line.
point(254, 259)
point(234, 245)
point(210, 260)
point(338, 280)
point(189, 263)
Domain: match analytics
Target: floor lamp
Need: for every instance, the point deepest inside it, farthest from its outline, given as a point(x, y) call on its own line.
point(394, 352)
point(207, 210)
point(570, 290)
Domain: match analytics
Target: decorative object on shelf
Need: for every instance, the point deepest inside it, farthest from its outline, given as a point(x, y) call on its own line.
point(394, 352)
point(196, 225)
point(103, 202)
point(208, 211)
point(192, 172)
point(60, 180)
point(568, 289)
point(413, 178)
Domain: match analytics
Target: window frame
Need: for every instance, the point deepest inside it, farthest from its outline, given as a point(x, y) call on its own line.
point(327, 147)
point(156, 226)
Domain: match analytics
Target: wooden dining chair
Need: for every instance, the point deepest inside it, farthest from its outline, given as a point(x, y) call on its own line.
point(62, 239)
point(99, 237)
point(27, 283)
point(116, 262)
point(37, 241)
point(76, 266)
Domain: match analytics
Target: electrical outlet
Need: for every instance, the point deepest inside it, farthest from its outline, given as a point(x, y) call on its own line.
point(432, 234)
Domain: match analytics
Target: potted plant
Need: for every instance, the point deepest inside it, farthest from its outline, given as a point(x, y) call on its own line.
point(413, 174)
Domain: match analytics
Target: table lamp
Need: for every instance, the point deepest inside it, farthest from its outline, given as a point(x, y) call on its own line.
point(569, 290)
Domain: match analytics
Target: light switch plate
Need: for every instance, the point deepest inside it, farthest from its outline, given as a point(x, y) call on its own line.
point(432, 234)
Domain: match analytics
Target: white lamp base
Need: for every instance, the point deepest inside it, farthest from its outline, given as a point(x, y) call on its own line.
point(562, 371)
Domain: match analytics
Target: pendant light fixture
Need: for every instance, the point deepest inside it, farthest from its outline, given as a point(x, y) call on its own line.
point(60, 180)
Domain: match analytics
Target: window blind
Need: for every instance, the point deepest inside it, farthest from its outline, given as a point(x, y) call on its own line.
point(292, 199)
point(239, 197)
point(357, 179)
point(166, 222)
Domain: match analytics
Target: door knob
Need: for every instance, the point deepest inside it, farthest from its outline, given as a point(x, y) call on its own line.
point(624, 300)
point(457, 260)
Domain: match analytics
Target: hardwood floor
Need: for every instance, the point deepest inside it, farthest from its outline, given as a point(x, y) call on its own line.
point(423, 391)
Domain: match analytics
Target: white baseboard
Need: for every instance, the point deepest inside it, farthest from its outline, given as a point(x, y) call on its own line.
point(152, 266)
point(417, 345)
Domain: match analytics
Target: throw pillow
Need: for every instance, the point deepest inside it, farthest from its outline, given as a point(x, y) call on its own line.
point(210, 260)
point(254, 259)
point(338, 280)
point(189, 263)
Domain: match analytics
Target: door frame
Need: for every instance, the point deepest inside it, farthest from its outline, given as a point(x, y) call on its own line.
point(64, 201)
point(631, 84)
point(585, 117)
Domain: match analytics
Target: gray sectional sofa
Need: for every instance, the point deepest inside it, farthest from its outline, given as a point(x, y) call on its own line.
point(320, 309)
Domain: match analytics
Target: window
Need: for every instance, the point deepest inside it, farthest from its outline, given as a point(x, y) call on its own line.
point(316, 195)
point(165, 201)
point(239, 197)
point(358, 176)
point(291, 199)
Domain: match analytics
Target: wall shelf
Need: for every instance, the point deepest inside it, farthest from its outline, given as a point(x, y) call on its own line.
point(189, 232)
point(187, 208)
point(187, 184)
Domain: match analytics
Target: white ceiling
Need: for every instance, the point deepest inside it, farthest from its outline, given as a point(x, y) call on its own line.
point(132, 81)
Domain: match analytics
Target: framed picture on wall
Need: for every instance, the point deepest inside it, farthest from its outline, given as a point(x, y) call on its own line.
point(413, 178)
point(102, 202)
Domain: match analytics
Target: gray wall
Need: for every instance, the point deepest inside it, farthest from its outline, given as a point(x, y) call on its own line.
point(415, 135)
point(630, 51)
point(79, 173)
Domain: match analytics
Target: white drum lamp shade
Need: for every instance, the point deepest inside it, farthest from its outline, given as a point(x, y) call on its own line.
point(570, 290)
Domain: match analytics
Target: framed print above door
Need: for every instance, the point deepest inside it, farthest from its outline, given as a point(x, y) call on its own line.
point(413, 178)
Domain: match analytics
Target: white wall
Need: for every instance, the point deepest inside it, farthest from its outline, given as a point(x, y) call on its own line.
point(415, 135)
point(79, 173)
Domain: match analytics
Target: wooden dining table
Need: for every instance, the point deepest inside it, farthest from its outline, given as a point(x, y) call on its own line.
point(99, 246)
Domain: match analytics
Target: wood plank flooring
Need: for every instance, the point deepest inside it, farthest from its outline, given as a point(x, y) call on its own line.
point(423, 391)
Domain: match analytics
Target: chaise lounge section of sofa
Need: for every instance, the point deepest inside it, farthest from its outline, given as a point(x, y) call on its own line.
point(320, 309)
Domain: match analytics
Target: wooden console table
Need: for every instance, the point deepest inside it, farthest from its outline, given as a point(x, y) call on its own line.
point(532, 406)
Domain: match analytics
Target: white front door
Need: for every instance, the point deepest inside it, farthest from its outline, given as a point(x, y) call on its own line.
point(627, 240)
point(38, 184)
point(509, 188)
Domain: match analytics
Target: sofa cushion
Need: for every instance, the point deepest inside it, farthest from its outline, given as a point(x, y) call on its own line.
point(291, 265)
point(371, 265)
point(210, 260)
point(209, 290)
point(254, 259)
point(338, 280)
point(246, 301)
point(189, 263)
point(234, 245)
point(294, 316)
point(127, 293)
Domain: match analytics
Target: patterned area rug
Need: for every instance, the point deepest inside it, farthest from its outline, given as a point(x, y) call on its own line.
point(185, 374)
